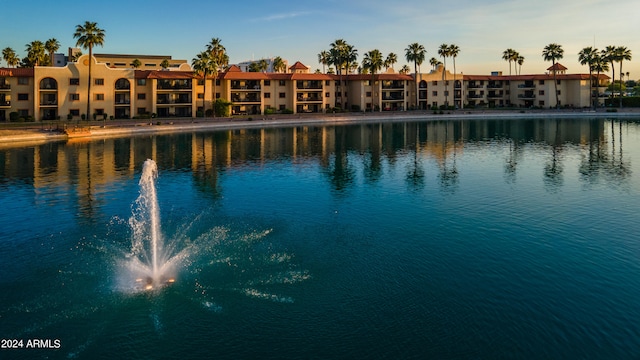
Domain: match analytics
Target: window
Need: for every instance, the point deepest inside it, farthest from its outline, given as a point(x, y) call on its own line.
point(23, 97)
point(99, 112)
point(142, 82)
point(558, 82)
point(74, 81)
point(434, 93)
point(23, 113)
point(559, 93)
point(74, 97)
point(434, 83)
point(541, 82)
point(99, 97)
point(150, 65)
point(447, 82)
point(23, 81)
point(541, 92)
point(200, 96)
point(142, 111)
point(281, 107)
point(267, 95)
point(217, 95)
point(74, 112)
point(119, 64)
point(540, 103)
point(446, 93)
point(142, 96)
point(267, 83)
point(200, 81)
point(327, 94)
point(281, 82)
point(327, 82)
point(282, 95)
point(368, 94)
point(99, 82)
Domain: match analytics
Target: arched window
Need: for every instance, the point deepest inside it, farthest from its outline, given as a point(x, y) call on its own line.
point(423, 84)
point(122, 84)
point(48, 84)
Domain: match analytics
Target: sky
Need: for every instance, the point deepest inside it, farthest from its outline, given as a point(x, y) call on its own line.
point(299, 30)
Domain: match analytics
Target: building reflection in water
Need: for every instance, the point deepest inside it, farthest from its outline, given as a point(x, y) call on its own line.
point(89, 166)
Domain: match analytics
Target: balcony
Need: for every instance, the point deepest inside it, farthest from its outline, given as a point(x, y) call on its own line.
point(396, 84)
point(493, 95)
point(309, 98)
point(304, 85)
point(245, 85)
point(475, 96)
point(527, 95)
point(494, 86)
point(393, 96)
point(5, 103)
point(527, 85)
point(237, 98)
point(475, 86)
point(5, 86)
point(166, 100)
point(174, 85)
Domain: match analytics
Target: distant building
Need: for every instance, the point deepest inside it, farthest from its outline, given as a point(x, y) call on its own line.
point(244, 66)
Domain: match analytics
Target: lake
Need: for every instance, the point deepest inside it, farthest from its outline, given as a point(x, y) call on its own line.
point(483, 239)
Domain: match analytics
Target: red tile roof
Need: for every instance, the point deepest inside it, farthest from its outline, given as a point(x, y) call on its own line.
point(16, 72)
point(163, 74)
point(298, 66)
point(557, 67)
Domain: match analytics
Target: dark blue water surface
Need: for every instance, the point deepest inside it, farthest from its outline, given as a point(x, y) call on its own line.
point(467, 239)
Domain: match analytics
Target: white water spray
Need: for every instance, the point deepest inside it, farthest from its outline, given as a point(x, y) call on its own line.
point(149, 263)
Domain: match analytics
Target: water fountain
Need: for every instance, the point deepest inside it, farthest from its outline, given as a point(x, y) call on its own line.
point(150, 262)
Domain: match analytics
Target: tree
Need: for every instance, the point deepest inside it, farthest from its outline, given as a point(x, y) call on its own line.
point(203, 65)
point(220, 59)
point(405, 69)
point(35, 54)
point(89, 35)
point(52, 45)
point(443, 51)
point(342, 55)
point(136, 63)
point(599, 65)
point(391, 59)
point(609, 55)
point(507, 55)
point(622, 53)
point(324, 58)
point(520, 61)
point(165, 64)
point(9, 55)
point(553, 52)
point(586, 57)
point(415, 53)
point(373, 61)
point(279, 65)
point(434, 63)
point(454, 50)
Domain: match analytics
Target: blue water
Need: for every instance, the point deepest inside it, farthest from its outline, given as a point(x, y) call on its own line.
point(477, 239)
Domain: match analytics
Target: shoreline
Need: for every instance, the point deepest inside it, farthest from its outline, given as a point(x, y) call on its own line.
point(40, 133)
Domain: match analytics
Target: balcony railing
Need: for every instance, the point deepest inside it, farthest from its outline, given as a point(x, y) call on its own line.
point(526, 86)
point(475, 96)
point(164, 101)
point(393, 85)
point(494, 86)
point(309, 85)
point(5, 86)
point(174, 86)
point(475, 86)
point(393, 97)
point(48, 102)
point(309, 98)
point(495, 95)
point(5, 103)
point(239, 99)
point(526, 96)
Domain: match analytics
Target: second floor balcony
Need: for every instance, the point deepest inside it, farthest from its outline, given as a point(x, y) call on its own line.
point(245, 85)
point(168, 100)
point(179, 84)
point(527, 85)
point(393, 84)
point(245, 97)
point(311, 84)
point(393, 96)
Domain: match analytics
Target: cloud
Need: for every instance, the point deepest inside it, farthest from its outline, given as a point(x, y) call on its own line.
point(282, 16)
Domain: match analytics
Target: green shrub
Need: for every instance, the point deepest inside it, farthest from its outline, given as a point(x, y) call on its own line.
point(287, 111)
point(269, 111)
point(14, 116)
point(222, 108)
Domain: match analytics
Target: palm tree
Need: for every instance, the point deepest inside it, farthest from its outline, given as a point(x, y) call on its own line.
point(342, 55)
point(203, 64)
point(9, 55)
point(553, 52)
point(405, 69)
point(600, 65)
point(443, 51)
point(220, 59)
point(391, 59)
point(279, 65)
point(136, 63)
point(622, 53)
point(324, 58)
point(507, 55)
point(434, 62)
point(35, 54)
point(415, 53)
point(520, 61)
point(454, 50)
point(89, 35)
point(52, 45)
point(609, 55)
point(586, 57)
point(373, 61)
point(165, 64)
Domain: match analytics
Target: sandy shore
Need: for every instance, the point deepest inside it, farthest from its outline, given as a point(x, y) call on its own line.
point(35, 133)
